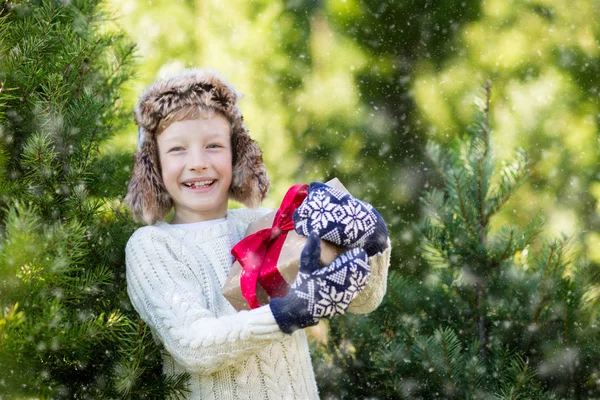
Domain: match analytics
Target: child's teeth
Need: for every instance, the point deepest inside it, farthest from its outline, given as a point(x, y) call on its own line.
point(200, 184)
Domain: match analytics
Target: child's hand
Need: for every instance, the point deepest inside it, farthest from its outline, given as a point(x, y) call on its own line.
point(321, 292)
point(341, 219)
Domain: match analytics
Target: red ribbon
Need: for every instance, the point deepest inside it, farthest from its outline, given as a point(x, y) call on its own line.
point(258, 253)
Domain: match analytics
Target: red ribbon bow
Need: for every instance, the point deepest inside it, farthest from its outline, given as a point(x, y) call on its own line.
point(258, 253)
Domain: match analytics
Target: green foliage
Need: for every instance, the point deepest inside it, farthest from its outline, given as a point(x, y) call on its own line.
point(348, 89)
point(456, 228)
point(67, 329)
point(541, 57)
point(497, 314)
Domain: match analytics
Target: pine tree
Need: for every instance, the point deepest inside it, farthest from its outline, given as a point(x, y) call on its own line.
point(494, 315)
point(67, 329)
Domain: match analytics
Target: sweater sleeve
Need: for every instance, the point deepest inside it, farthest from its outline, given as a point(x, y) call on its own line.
point(168, 296)
point(372, 295)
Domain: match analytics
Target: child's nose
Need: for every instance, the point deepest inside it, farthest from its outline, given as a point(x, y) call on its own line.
point(198, 160)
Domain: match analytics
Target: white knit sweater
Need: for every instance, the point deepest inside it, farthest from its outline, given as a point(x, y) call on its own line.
point(174, 280)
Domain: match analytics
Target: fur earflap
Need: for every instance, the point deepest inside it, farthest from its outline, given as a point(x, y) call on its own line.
point(147, 196)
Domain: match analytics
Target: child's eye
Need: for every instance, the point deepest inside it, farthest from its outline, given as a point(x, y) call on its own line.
point(214, 146)
point(175, 149)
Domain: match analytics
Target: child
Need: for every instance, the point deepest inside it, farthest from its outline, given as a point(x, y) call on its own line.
point(194, 154)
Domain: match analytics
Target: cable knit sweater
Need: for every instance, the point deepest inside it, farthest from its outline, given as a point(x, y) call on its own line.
point(174, 280)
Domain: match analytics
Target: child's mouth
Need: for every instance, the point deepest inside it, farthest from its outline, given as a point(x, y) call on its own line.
point(199, 184)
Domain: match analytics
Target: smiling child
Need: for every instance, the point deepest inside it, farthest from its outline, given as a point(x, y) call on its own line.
point(195, 154)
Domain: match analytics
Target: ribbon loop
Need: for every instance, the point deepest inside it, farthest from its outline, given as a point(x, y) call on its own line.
point(259, 252)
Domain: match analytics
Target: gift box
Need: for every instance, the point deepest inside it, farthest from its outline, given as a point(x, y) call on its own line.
point(268, 258)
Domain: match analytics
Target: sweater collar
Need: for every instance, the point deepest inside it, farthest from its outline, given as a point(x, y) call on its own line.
point(198, 226)
point(199, 232)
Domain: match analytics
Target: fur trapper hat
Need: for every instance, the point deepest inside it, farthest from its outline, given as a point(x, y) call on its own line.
point(147, 197)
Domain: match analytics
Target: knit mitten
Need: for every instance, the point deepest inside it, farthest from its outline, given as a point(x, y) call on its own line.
point(341, 219)
point(321, 292)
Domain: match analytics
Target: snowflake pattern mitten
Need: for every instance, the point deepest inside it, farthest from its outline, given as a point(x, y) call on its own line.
point(321, 292)
point(341, 219)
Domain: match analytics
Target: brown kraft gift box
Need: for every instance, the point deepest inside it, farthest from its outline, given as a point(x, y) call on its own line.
point(288, 262)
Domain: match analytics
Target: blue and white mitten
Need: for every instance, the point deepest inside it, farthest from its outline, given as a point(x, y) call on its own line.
point(341, 219)
point(321, 292)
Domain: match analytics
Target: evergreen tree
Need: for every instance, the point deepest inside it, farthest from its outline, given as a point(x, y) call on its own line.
point(67, 329)
point(494, 315)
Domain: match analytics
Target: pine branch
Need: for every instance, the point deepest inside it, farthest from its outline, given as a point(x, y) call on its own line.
point(435, 204)
point(95, 329)
point(447, 350)
point(506, 251)
point(52, 268)
point(512, 177)
point(520, 381)
point(480, 198)
point(475, 370)
point(47, 23)
point(480, 148)
point(463, 209)
point(11, 319)
point(548, 267)
point(437, 156)
point(421, 349)
point(481, 320)
point(442, 352)
point(88, 284)
point(486, 113)
point(510, 239)
point(436, 246)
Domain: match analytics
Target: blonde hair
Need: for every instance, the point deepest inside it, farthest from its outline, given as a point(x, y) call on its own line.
point(193, 111)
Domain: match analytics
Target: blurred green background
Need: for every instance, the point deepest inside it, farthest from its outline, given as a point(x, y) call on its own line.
point(333, 88)
point(354, 89)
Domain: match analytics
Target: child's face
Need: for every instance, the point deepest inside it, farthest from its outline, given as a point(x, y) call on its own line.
point(196, 163)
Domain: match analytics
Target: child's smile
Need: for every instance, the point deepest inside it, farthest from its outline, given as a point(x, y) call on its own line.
point(198, 184)
point(196, 166)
